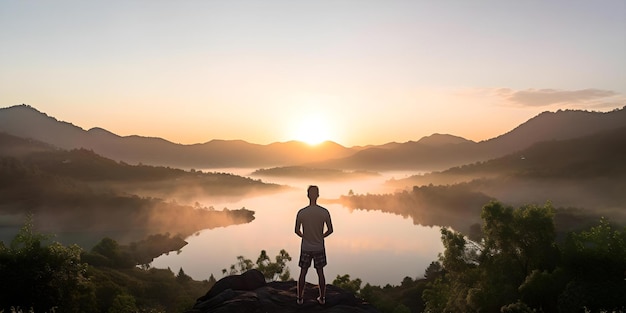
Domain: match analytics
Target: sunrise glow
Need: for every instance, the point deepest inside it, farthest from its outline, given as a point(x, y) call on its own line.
point(312, 130)
point(354, 73)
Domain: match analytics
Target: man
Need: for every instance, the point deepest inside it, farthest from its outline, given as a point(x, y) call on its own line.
point(310, 227)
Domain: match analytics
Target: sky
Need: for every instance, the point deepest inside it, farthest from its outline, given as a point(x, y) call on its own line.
point(356, 72)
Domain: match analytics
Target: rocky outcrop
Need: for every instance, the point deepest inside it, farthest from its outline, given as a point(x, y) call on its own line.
point(250, 280)
point(276, 297)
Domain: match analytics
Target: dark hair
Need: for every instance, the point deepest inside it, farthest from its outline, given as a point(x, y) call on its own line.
point(311, 189)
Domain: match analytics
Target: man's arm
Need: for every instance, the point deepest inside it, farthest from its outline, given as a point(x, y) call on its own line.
point(329, 227)
point(298, 226)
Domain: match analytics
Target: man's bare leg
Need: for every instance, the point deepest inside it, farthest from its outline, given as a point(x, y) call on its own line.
point(301, 282)
point(321, 285)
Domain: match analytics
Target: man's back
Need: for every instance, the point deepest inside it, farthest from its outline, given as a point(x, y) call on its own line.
point(313, 218)
point(310, 223)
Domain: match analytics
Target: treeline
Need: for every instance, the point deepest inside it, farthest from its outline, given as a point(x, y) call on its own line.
point(303, 172)
point(109, 252)
point(62, 203)
point(66, 203)
point(88, 168)
point(41, 277)
point(586, 158)
point(457, 206)
point(587, 172)
point(597, 155)
point(518, 264)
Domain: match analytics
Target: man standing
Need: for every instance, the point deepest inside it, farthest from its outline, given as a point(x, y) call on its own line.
point(310, 226)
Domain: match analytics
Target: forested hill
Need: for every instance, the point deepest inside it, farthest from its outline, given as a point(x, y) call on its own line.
point(584, 178)
point(79, 190)
point(598, 155)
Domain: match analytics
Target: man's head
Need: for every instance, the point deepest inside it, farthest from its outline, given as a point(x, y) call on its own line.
point(313, 192)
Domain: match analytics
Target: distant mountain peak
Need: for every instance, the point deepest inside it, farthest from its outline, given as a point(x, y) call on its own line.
point(24, 108)
point(442, 139)
point(562, 124)
point(101, 131)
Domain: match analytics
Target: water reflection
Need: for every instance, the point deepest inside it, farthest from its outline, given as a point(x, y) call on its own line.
point(377, 247)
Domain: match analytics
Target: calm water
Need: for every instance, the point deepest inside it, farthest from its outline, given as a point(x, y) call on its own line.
point(379, 248)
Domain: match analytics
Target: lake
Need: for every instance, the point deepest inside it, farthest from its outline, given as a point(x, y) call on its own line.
point(379, 248)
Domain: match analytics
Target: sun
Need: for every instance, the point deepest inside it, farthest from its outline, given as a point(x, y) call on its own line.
point(312, 129)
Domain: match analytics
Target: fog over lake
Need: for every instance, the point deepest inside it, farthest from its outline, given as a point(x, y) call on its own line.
point(379, 248)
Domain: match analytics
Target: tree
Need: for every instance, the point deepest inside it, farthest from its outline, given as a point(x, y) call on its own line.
point(211, 280)
point(433, 270)
point(112, 251)
point(271, 270)
point(123, 303)
point(42, 277)
point(274, 270)
point(452, 291)
point(487, 275)
point(595, 262)
point(516, 242)
point(181, 277)
point(344, 282)
point(518, 267)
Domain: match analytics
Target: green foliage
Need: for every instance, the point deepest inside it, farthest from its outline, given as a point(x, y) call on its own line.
point(272, 271)
point(433, 271)
point(111, 251)
point(42, 277)
point(181, 277)
point(144, 251)
point(123, 303)
point(46, 277)
point(153, 290)
point(595, 260)
point(517, 307)
point(345, 283)
point(390, 299)
point(518, 267)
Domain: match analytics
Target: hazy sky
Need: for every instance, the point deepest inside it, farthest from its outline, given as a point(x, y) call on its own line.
point(356, 72)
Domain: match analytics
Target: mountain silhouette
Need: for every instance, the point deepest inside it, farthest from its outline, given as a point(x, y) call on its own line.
point(597, 156)
point(27, 122)
point(435, 152)
point(441, 152)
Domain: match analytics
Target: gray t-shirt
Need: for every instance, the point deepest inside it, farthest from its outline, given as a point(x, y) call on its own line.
point(312, 218)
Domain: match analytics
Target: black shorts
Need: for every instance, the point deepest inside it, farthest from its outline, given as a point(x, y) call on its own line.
point(319, 258)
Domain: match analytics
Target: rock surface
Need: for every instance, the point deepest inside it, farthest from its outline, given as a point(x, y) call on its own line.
point(280, 297)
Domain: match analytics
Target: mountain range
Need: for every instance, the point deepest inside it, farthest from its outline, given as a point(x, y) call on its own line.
point(445, 153)
point(435, 152)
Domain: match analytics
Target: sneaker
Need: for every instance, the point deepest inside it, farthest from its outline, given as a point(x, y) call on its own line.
point(321, 300)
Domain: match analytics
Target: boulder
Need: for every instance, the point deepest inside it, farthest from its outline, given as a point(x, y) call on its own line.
point(250, 280)
point(280, 297)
